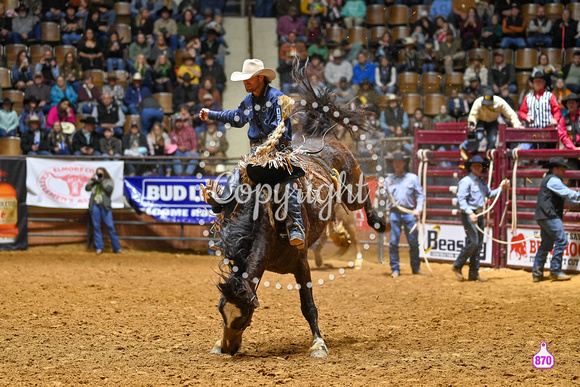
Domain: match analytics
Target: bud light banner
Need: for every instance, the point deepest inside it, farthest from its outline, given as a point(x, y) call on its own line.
point(169, 199)
point(57, 183)
point(445, 242)
point(13, 209)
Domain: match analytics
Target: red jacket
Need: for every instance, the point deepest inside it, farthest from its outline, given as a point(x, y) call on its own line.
point(563, 132)
point(555, 109)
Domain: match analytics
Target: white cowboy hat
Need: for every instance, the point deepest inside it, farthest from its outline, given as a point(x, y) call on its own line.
point(252, 68)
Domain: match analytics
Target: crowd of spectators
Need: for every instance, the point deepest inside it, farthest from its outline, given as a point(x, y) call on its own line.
point(172, 49)
point(366, 74)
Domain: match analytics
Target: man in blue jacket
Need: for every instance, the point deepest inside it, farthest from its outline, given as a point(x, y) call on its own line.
point(260, 109)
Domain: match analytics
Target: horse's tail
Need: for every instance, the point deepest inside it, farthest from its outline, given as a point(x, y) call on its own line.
point(320, 109)
point(373, 219)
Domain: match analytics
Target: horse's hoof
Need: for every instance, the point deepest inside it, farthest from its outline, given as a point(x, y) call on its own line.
point(217, 348)
point(318, 261)
point(319, 349)
point(358, 263)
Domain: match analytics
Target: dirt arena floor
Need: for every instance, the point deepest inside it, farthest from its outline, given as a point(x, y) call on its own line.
point(69, 318)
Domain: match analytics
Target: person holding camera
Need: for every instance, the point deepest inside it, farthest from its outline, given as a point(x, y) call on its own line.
point(48, 67)
point(483, 116)
point(101, 188)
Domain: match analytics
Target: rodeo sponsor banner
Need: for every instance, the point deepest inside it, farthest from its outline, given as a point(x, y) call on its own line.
point(528, 241)
point(445, 241)
point(61, 183)
point(13, 209)
point(169, 199)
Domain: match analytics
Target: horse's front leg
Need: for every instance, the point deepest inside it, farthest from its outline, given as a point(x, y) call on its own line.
point(309, 310)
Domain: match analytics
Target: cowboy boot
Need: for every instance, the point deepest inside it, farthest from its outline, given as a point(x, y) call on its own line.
point(218, 203)
point(294, 222)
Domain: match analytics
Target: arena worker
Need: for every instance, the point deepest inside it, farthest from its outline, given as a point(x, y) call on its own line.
point(261, 110)
point(549, 214)
point(408, 194)
point(472, 193)
point(483, 116)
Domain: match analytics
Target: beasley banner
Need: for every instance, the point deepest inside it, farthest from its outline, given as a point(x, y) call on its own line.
point(445, 241)
point(61, 183)
point(13, 209)
point(524, 253)
point(169, 199)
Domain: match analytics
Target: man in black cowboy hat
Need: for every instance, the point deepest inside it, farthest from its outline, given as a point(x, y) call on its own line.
point(167, 27)
point(540, 107)
point(549, 213)
point(85, 142)
point(407, 193)
point(472, 192)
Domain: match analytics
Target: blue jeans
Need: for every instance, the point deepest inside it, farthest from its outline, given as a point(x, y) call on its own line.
point(191, 165)
point(4, 133)
point(79, 153)
point(69, 39)
point(553, 235)
point(491, 134)
point(112, 62)
point(41, 153)
point(117, 130)
point(428, 67)
point(473, 245)
point(542, 39)
point(101, 213)
point(510, 42)
point(149, 116)
point(408, 221)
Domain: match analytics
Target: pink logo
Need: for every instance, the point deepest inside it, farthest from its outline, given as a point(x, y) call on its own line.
point(543, 359)
point(519, 246)
point(65, 183)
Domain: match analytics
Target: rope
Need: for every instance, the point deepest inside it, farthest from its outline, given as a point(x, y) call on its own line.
point(491, 157)
point(514, 196)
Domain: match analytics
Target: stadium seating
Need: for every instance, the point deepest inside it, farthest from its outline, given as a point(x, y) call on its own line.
point(376, 33)
point(481, 52)
point(357, 35)
point(166, 101)
point(11, 52)
point(122, 77)
point(529, 11)
point(5, 78)
point(522, 78)
point(335, 34)
point(129, 118)
point(17, 98)
point(124, 32)
point(98, 77)
point(400, 33)
point(411, 102)
point(123, 12)
point(50, 33)
point(553, 11)
point(433, 103)
point(398, 15)
point(574, 10)
point(408, 82)
point(431, 83)
point(453, 81)
point(416, 12)
point(526, 58)
point(376, 15)
point(61, 51)
point(36, 52)
point(554, 56)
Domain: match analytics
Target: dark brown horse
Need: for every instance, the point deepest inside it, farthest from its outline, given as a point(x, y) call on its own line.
point(253, 242)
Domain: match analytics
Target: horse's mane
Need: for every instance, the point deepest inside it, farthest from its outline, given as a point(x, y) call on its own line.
point(321, 112)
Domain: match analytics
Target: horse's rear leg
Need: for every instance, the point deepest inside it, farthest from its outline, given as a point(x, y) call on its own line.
point(309, 310)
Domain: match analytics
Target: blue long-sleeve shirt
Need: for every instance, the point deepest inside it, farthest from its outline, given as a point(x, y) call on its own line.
point(132, 94)
point(406, 191)
point(360, 73)
point(556, 185)
point(56, 94)
point(54, 70)
point(262, 113)
point(472, 193)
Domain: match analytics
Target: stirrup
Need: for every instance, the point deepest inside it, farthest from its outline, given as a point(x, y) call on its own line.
point(297, 241)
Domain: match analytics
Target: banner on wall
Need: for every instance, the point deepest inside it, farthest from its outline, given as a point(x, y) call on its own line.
point(169, 199)
point(523, 253)
point(57, 183)
point(13, 209)
point(445, 241)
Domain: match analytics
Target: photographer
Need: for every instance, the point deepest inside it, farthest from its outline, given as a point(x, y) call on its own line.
point(101, 188)
point(48, 67)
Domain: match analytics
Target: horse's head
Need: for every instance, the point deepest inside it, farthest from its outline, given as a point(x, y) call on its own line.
point(237, 305)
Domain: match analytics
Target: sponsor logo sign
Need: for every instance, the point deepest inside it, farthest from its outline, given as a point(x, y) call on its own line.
point(524, 244)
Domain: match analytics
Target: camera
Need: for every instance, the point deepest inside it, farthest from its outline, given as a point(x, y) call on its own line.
point(100, 176)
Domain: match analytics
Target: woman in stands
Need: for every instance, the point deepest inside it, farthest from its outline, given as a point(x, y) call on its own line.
point(163, 75)
point(143, 24)
point(208, 87)
point(62, 113)
point(90, 51)
point(547, 69)
point(161, 48)
point(71, 71)
point(22, 72)
point(114, 51)
point(59, 142)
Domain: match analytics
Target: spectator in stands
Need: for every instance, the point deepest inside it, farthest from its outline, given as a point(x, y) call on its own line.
point(513, 28)
point(40, 91)
point(35, 141)
point(187, 28)
point(571, 73)
point(367, 95)
point(353, 13)
point(62, 113)
point(107, 14)
point(90, 51)
point(142, 23)
point(167, 27)
point(419, 121)
point(411, 57)
point(291, 23)
point(151, 6)
point(85, 142)
point(114, 52)
point(48, 67)
point(540, 108)
point(24, 26)
point(427, 58)
point(61, 90)
point(567, 27)
point(313, 31)
point(22, 72)
point(569, 127)
point(6, 34)
point(138, 47)
point(185, 139)
point(312, 9)
point(160, 145)
point(135, 94)
point(473, 91)
point(71, 71)
point(8, 119)
point(319, 48)
point(546, 68)
point(503, 75)
point(419, 37)
point(116, 91)
point(109, 144)
point(135, 145)
point(331, 16)
point(440, 8)
point(59, 143)
point(561, 92)
point(443, 116)
point(450, 52)
point(97, 26)
point(470, 30)
point(539, 30)
point(385, 47)
point(185, 93)
point(213, 44)
point(316, 69)
point(394, 117)
point(30, 108)
point(385, 77)
point(209, 68)
point(458, 107)
point(283, 7)
point(109, 116)
point(207, 86)
point(492, 33)
point(212, 20)
point(163, 75)
point(71, 26)
point(211, 143)
point(338, 69)
point(292, 49)
point(160, 48)
point(427, 26)
point(89, 95)
point(142, 67)
point(344, 93)
point(443, 28)
point(476, 70)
